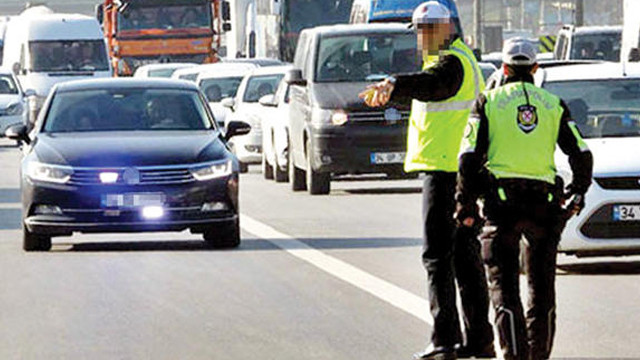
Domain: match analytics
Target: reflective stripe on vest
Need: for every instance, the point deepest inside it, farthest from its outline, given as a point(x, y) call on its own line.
point(522, 142)
point(436, 128)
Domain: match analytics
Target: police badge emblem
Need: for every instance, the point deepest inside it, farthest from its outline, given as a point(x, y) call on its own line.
point(527, 118)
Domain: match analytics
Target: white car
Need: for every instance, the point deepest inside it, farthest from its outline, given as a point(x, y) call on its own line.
point(604, 100)
point(160, 70)
point(220, 81)
point(191, 74)
point(246, 107)
point(14, 107)
point(275, 133)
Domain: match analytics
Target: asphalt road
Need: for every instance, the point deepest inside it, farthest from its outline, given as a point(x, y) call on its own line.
point(334, 277)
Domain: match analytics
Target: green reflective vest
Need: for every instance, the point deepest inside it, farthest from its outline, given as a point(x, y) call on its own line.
point(523, 132)
point(436, 128)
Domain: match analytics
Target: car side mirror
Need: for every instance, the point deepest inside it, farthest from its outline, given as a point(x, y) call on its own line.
point(237, 128)
point(294, 77)
point(30, 93)
point(228, 103)
point(17, 132)
point(268, 100)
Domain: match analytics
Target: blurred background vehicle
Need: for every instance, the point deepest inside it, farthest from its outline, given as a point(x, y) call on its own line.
point(245, 107)
point(589, 43)
point(332, 131)
point(274, 118)
point(14, 107)
point(142, 32)
point(44, 49)
point(220, 81)
point(604, 100)
point(161, 70)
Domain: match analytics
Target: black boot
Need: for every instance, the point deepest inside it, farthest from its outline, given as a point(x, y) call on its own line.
point(478, 352)
point(436, 353)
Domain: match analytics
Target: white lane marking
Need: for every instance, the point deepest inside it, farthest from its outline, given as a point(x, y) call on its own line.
point(383, 290)
point(10, 206)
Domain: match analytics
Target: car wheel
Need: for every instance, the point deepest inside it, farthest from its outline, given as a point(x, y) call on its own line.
point(317, 183)
point(35, 242)
point(267, 170)
point(223, 236)
point(296, 176)
point(281, 176)
point(243, 167)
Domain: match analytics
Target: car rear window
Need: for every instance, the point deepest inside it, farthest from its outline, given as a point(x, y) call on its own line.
point(261, 85)
point(127, 110)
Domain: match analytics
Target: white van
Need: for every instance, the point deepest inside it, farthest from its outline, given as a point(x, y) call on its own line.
point(45, 49)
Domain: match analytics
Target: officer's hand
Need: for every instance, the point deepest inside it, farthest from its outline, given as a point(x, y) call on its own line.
point(466, 215)
point(575, 205)
point(377, 94)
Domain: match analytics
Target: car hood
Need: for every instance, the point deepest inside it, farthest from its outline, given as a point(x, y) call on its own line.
point(121, 149)
point(8, 99)
point(611, 157)
point(342, 95)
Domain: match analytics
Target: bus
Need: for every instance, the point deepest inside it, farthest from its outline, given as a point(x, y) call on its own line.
point(373, 11)
point(270, 28)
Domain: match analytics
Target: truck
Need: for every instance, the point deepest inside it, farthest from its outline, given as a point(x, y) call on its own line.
point(141, 32)
point(270, 28)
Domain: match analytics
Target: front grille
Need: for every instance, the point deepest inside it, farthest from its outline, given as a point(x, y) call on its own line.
point(375, 116)
point(148, 176)
point(619, 183)
point(601, 225)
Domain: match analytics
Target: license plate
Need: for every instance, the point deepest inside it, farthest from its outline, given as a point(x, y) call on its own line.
point(387, 157)
point(133, 200)
point(626, 213)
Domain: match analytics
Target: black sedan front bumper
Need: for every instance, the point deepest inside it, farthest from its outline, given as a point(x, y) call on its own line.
point(83, 208)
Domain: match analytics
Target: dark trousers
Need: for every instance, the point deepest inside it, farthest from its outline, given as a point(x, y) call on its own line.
point(523, 336)
point(452, 254)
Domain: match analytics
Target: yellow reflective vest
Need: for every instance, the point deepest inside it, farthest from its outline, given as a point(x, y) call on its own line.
point(436, 128)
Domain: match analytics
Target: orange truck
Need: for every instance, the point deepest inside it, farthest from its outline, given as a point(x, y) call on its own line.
point(140, 32)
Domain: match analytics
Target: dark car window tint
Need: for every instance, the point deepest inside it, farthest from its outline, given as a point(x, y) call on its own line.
point(259, 86)
point(217, 89)
point(365, 57)
point(81, 55)
point(126, 110)
point(7, 86)
point(604, 46)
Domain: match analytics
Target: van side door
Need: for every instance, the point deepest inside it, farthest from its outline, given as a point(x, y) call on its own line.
point(299, 105)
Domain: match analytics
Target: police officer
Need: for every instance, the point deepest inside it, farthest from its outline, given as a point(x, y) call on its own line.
point(442, 96)
point(508, 158)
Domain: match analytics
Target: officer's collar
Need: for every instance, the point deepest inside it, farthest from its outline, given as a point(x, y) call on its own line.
point(520, 78)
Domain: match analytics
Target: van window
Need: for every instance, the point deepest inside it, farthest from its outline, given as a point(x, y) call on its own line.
point(365, 57)
point(601, 46)
point(78, 55)
point(560, 45)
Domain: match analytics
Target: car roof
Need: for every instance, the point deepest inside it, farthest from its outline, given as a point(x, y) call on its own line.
point(166, 66)
point(346, 29)
point(270, 70)
point(125, 83)
point(220, 66)
point(254, 61)
point(5, 71)
point(599, 71)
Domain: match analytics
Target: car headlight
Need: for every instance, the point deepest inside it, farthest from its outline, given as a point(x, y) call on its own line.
point(49, 173)
point(329, 117)
point(213, 171)
point(15, 109)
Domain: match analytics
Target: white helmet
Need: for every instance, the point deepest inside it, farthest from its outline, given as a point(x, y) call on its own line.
point(430, 12)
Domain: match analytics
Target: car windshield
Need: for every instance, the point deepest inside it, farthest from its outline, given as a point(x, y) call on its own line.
point(81, 55)
point(165, 17)
point(602, 108)
point(217, 89)
point(259, 86)
point(7, 85)
point(603, 46)
point(127, 110)
point(365, 57)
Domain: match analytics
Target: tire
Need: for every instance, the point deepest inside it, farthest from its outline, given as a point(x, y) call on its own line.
point(35, 242)
point(243, 167)
point(223, 236)
point(317, 183)
point(296, 176)
point(267, 170)
point(279, 175)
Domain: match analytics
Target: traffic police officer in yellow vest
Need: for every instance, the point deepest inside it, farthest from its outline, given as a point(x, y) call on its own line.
point(508, 159)
point(441, 96)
